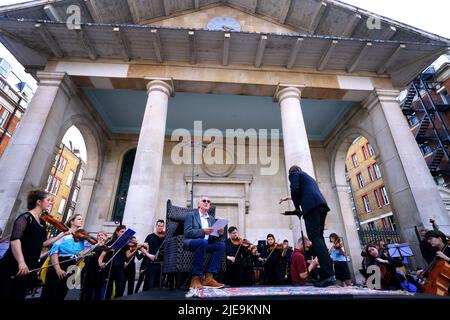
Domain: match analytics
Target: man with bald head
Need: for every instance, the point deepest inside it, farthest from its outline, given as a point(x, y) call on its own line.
point(198, 239)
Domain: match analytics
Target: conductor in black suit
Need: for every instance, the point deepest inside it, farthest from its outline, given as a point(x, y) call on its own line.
point(309, 202)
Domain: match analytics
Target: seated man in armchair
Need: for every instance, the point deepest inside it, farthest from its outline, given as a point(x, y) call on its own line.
point(198, 239)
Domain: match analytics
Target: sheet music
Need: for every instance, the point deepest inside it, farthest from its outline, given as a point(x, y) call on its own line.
point(219, 224)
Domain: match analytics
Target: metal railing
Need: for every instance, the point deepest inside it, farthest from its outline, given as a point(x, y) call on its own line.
point(377, 235)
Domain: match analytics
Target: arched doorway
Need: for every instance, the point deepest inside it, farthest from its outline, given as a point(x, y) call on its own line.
point(122, 187)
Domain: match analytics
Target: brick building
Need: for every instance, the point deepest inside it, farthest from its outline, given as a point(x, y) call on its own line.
point(14, 97)
point(64, 182)
point(370, 198)
point(429, 117)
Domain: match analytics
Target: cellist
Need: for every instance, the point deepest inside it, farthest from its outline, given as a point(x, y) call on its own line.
point(438, 271)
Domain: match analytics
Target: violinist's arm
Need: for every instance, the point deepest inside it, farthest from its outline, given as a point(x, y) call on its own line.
point(55, 262)
point(129, 254)
point(55, 238)
point(101, 258)
point(16, 247)
point(148, 255)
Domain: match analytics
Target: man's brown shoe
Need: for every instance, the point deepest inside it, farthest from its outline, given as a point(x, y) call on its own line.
point(196, 283)
point(210, 282)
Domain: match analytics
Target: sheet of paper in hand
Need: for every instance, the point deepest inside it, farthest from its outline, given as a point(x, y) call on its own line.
point(219, 224)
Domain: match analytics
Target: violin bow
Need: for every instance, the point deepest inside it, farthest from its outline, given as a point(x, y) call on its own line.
point(76, 257)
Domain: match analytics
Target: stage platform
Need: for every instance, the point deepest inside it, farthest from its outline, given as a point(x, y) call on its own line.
point(278, 293)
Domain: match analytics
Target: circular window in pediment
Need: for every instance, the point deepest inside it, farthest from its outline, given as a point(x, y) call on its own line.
point(218, 161)
point(223, 24)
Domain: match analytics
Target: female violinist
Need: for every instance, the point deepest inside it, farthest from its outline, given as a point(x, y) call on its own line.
point(62, 256)
point(438, 272)
point(387, 265)
point(114, 272)
point(132, 251)
point(273, 268)
point(341, 269)
point(91, 275)
point(27, 239)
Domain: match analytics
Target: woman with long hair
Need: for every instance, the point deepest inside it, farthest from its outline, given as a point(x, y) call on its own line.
point(62, 256)
point(115, 271)
point(27, 239)
point(341, 269)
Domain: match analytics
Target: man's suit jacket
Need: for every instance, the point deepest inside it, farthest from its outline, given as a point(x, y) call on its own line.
point(193, 228)
point(305, 192)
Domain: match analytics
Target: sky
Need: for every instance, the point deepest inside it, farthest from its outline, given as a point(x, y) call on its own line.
point(430, 15)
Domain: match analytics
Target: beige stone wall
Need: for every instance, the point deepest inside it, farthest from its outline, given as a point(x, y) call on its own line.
point(199, 20)
point(263, 214)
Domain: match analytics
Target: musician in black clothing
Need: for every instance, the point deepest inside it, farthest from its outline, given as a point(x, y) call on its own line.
point(91, 275)
point(115, 271)
point(132, 251)
point(438, 240)
point(154, 257)
point(27, 239)
point(239, 261)
point(286, 261)
point(273, 268)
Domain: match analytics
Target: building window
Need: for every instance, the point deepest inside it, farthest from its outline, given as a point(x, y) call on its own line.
point(376, 168)
point(391, 221)
point(69, 178)
point(413, 120)
point(62, 164)
point(366, 203)
point(385, 196)
point(5, 68)
point(371, 151)
point(54, 187)
point(355, 160)
point(445, 97)
point(4, 116)
point(69, 213)
point(378, 198)
point(360, 180)
point(364, 152)
point(80, 175)
point(426, 149)
point(75, 195)
point(371, 175)
point(62, 204)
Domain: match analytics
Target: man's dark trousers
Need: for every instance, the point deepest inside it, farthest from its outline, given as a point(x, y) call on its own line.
point(315, 224)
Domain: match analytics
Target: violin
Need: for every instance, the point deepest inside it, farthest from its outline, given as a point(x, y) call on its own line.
point(244, 243)
point(82, 234)
point(53, 221)
point(161, 234)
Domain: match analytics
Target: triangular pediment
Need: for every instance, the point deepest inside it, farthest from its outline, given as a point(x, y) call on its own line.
point(199, 20)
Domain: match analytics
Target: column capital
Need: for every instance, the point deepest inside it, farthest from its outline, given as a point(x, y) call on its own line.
point(284, 91)
point(57, 79)
point(380, 95)
point(161, 84)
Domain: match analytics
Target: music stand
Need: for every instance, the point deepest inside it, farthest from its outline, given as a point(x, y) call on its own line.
point(400, 250)
point(121, 242)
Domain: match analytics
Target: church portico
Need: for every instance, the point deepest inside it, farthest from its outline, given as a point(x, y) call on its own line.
point(296, 99)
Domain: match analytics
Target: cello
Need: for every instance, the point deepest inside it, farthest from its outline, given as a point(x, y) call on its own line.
point(438, 280)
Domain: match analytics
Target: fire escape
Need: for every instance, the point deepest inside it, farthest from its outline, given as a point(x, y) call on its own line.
point(432, 129)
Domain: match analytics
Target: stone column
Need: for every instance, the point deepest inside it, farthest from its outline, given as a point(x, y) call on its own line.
point(26, 163)
point(143, 192)
point(412, 191)
point(295, 139)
